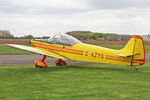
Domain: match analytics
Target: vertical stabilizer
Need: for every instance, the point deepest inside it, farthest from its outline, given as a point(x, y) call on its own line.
point(135, 50)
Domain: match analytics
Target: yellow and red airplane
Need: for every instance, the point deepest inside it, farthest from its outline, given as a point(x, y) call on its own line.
point(65, 47)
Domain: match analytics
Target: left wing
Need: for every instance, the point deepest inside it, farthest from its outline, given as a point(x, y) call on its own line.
point(37, 50)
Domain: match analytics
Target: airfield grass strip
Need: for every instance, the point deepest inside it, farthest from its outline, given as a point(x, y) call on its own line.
point(74, 82)
point(5, 50)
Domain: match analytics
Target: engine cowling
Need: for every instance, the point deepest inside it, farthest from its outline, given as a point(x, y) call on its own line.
point(40, 63)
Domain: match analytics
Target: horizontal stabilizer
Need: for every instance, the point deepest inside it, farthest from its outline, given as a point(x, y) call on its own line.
point(124, 55)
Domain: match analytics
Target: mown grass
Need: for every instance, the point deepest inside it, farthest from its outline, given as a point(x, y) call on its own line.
point(12, 51)
point(74, 82)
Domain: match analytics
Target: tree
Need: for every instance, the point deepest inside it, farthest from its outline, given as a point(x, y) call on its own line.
point(28, 37)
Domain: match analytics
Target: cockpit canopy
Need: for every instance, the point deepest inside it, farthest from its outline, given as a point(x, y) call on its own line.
point(63, 39)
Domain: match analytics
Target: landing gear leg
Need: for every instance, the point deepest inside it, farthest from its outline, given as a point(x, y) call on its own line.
point(44, 57)
point(137, 69)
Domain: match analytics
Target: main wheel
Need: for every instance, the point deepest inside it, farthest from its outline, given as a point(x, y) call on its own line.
point(37, 66)
point(60, 62)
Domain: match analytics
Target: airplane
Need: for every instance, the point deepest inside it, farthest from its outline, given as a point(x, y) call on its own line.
point(65, 47)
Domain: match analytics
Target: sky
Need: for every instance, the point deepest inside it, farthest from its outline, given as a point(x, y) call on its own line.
point(44, 17)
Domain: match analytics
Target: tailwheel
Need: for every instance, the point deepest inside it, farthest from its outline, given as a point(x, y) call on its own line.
point(137, 69)
point(60, 62)
point(40, 63)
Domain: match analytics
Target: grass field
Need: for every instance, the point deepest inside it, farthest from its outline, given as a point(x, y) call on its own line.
point(74, 82)
point(8, 50)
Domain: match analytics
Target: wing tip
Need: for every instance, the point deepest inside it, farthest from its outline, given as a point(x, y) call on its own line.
point(10, 45)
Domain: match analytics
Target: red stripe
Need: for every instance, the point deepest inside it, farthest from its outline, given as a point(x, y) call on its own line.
point(140, 60)
point(56, 48)
point(118, 59)
point(136, 36)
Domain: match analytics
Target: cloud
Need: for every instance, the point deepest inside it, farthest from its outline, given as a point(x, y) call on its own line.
point(119, 4)
point(42, 7)
point(47, 16)
point(67, 6)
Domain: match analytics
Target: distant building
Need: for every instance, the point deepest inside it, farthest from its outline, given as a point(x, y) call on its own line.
point(146, 37)
point(118, 37)
point(5, 33)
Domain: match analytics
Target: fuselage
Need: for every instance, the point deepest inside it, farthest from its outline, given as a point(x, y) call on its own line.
point(84, 52)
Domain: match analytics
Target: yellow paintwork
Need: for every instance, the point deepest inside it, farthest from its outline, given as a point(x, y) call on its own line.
point(50, 53)
point(134, 50)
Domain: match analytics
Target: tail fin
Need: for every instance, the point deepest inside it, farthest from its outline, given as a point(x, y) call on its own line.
point(134, 49)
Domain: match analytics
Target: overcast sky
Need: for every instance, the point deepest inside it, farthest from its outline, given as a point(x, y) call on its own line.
point(44, 17)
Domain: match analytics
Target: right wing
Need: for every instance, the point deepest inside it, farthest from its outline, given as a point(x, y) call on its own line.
point(37, 50)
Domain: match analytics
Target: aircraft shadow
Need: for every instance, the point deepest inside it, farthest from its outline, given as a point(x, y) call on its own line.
point(75, 67)
point(101, 68)
point(59, 68)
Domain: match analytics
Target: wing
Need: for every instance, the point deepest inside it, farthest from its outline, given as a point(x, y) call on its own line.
point(37, 50)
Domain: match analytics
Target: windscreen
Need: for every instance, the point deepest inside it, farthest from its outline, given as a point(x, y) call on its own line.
point(63, 39)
